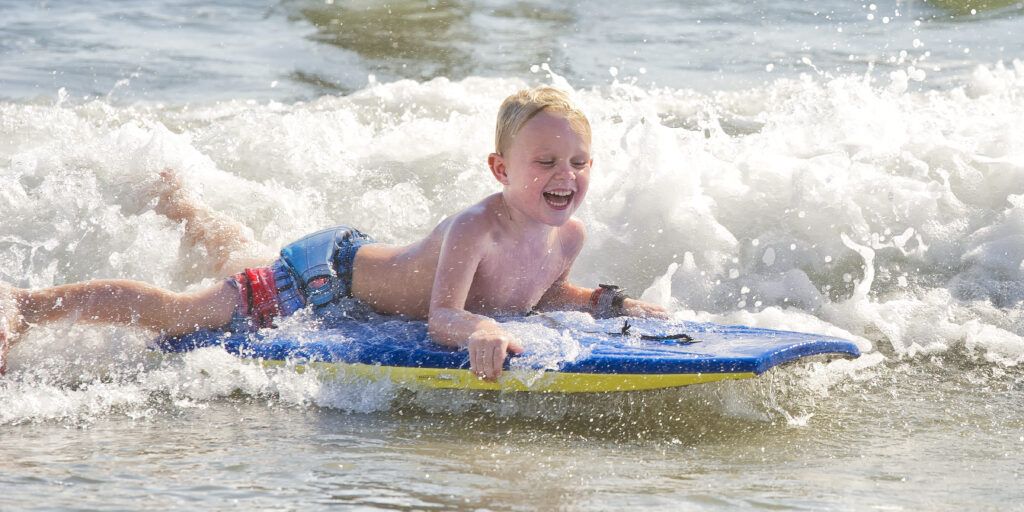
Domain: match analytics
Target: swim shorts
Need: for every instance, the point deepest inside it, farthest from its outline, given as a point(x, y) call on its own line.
point(292, 281)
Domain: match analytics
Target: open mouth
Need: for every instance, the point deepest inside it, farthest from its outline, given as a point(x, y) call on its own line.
point(559, 198)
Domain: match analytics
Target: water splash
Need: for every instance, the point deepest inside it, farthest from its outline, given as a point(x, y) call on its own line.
point(830, 205)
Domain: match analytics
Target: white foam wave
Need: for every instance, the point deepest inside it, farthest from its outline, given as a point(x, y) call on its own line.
point(729, 206)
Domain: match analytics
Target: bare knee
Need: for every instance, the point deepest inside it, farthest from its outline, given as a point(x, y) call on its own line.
point(206, 309)
point(133, 303)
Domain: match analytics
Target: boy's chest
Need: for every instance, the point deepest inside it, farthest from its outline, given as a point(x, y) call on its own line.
point(515, 279)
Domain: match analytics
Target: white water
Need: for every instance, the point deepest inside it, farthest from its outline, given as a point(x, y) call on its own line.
point(893, 217)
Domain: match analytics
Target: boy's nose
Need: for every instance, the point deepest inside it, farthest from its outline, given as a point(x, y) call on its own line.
point(566, 169)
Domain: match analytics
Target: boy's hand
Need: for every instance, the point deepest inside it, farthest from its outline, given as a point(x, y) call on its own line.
point(635, 307)
point(487, 352)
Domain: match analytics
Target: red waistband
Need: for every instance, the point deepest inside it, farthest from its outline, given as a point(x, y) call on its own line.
point(257, 295)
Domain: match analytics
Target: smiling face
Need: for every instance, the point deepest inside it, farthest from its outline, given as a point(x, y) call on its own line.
point(546, 169)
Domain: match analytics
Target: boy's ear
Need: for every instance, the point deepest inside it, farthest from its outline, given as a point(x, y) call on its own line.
point(497, 164)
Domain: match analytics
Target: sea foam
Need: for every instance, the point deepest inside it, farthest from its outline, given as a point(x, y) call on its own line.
point(890, 216)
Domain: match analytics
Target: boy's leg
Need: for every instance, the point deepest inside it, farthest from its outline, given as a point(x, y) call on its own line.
point(114, 301)
point(226, 240)
point(131, 303)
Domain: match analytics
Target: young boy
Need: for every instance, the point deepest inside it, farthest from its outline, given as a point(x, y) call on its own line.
point(511, 252)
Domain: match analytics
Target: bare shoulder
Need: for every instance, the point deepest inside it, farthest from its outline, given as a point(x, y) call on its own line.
point(473, 226)
point(572, 236)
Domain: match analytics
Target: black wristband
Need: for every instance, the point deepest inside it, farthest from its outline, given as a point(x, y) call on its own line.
point(610, 306)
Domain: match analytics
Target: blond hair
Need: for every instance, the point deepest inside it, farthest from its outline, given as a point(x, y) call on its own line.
point(519, 108)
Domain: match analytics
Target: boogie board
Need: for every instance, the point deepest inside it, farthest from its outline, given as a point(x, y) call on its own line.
point(565, 352)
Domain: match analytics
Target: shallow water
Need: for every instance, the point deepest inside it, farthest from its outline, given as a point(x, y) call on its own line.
point(869, 443)
point(853, 170)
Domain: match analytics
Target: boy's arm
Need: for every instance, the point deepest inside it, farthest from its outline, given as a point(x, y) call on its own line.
point(565, 295)
point(448, 322)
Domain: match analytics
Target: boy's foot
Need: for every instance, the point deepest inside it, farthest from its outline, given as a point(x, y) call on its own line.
point(173, 200)
point(10, 322)
point(229, 245)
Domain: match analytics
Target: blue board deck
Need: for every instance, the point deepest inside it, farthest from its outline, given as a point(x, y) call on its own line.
point(587, 355)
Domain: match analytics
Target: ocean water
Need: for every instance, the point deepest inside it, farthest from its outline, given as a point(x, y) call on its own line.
point(853, 169)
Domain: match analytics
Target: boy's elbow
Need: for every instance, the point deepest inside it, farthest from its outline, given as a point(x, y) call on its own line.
point(437, 316)
point(439, 323)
